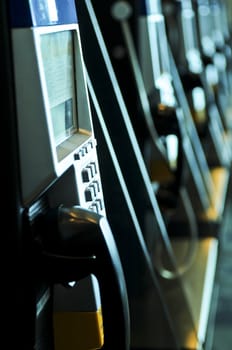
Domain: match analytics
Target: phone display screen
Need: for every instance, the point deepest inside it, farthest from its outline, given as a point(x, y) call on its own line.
point(57, 51)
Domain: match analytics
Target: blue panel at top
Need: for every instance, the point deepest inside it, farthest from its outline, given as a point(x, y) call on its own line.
point(35, 13)
point(148, 7)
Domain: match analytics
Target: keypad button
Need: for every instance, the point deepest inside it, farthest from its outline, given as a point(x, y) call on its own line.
point(89, 195)
point(97, 185)
point(94, 167)
point(86, 174)
point(94, 189)
point(91, 170)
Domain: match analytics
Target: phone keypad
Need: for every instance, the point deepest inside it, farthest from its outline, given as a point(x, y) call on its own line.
point(92, 192)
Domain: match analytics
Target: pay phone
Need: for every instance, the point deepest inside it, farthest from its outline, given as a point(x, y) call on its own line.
point(167, 113)
point(198, 102)
point(97, 22)
point(193, 72)
point(216, 53)
point(77, 265)
point(148, 327)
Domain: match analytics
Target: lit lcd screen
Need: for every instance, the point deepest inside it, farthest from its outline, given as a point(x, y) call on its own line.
point(57, 50)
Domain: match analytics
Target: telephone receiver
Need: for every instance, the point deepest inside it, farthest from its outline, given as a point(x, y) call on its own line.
point(76, 242)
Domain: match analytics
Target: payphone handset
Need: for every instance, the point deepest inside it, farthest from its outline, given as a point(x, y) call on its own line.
point(60, 174)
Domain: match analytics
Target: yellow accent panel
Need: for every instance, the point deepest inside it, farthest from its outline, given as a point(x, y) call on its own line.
point(78, 330)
